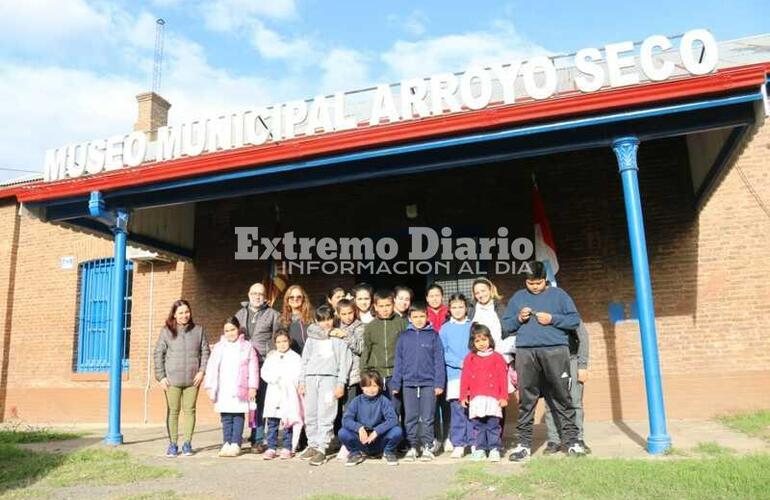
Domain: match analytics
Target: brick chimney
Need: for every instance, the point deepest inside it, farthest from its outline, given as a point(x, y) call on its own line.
point(153, 113)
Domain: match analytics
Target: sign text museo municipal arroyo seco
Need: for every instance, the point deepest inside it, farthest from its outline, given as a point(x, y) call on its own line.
point(418, 98)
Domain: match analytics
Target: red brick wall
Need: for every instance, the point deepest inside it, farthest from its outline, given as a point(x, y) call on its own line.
point(709, 270)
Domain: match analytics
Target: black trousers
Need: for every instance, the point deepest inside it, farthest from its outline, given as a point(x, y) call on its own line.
point(544, 371)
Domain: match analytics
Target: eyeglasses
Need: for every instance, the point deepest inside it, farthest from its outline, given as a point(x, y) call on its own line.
point(296, 297)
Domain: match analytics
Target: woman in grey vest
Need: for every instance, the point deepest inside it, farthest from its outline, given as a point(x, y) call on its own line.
point(181, 355)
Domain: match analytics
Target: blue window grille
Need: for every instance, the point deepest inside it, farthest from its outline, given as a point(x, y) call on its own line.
point(94, 315)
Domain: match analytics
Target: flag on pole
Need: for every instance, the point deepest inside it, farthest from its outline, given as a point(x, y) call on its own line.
point(545, 247)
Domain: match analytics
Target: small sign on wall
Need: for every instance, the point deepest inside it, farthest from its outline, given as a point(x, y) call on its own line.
point(67, 262)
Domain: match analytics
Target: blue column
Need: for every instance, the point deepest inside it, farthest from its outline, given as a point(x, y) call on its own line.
point(117, 324)
point(625, 149)
point(117, 221)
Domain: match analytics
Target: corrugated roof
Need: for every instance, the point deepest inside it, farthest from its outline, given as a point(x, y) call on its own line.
point(24, 179)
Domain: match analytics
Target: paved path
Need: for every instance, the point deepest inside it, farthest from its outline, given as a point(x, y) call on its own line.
point(205, 475)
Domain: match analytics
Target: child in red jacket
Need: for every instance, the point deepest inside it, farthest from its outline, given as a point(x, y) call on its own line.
point(484, 391)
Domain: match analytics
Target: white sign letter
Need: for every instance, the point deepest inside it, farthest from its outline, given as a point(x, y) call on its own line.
point(708, 56)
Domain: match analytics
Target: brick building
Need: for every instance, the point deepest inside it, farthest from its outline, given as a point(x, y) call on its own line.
point(703, 177)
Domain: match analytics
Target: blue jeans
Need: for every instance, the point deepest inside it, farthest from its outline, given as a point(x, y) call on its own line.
point(232, 427)
point(272, 434)
point(419, 410)
point(387, 443)
point(258, 433)
point(487, 431)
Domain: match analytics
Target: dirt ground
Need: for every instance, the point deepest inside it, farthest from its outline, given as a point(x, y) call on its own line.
point(204, 475)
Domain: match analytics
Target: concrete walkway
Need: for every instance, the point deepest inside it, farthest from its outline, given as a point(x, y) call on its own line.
point(248, 476)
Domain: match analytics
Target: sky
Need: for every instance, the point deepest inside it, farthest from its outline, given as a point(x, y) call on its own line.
point(70, 69)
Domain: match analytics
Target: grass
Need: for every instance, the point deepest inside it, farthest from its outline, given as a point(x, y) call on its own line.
point(713, 449)
point(20, 468)
point(34, 435)
point(755, 424)
point(722, 476)
point(97, 466)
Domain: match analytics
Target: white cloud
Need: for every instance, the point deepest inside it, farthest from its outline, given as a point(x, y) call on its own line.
point(228, 15)
point(344, 69)
point(415, 23)
point(34, 25)
point(48, 105)
point(52, 106)
point(456, 52)
point(272, 45)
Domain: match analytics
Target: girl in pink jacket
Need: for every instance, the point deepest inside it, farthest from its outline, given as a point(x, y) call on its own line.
point(232, 378)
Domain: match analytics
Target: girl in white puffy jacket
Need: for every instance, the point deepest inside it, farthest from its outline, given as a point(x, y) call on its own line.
point(283, 404)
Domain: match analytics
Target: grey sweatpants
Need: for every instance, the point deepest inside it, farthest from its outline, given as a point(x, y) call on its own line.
point(320, 410)
point(576, 393)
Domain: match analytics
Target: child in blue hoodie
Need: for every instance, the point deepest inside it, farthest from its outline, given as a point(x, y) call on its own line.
point(370, 424)
point(454, 337)
point(419, 368)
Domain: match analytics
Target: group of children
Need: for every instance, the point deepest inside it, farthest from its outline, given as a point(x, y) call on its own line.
point(391, 373)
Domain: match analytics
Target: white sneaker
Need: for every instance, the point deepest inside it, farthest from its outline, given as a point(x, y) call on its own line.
point(411, 455)
point(224, 450)
point(342, 455)
point(494, 455)
point(427, 455)
point(458, 452)
point(576, 450)
point(448, 446)
point(235, 450)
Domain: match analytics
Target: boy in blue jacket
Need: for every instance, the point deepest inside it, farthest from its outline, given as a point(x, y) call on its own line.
point(370, 424)
point(541, 317)
point(419, 368)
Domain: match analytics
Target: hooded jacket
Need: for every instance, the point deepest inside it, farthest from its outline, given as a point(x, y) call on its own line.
point(380, 337)
point(419, 359)
point(248, 369)
point(325, 356)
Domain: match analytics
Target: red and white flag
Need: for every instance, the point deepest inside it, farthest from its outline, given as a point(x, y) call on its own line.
point(545, 247)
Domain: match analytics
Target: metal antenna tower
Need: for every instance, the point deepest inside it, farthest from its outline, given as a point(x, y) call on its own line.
point(158, 62)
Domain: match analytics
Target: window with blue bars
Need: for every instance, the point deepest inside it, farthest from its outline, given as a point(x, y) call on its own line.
point(94, 321)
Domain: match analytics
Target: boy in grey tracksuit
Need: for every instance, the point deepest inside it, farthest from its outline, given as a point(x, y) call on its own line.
point(326, 363)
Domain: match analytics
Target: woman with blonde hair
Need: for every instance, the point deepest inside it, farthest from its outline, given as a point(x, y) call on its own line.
point(296, 315)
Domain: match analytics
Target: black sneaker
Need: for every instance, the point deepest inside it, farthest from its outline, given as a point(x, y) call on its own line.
point(353, 459)
point(318, 459)
point(520, 453)
point(391, 459)
point(552, 448)
point(585, 447)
